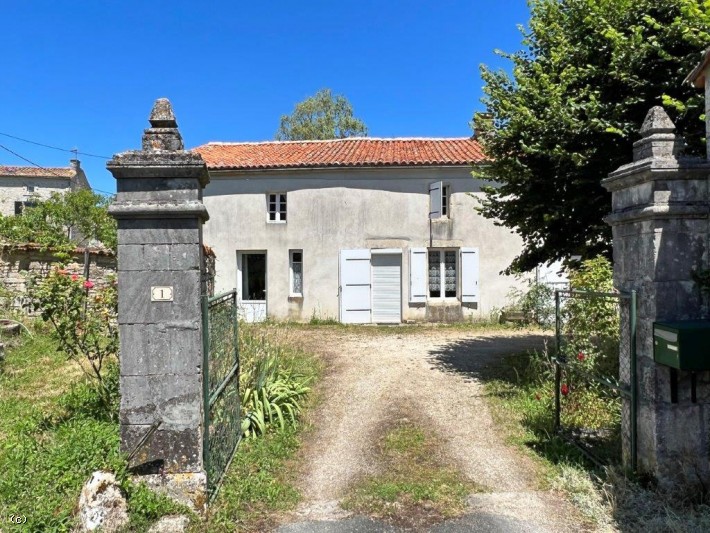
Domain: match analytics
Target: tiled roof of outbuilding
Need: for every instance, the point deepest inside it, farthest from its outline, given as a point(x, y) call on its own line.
point(35, 172)
point(350, 152)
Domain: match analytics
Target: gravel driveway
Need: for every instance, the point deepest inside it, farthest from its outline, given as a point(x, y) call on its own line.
point(434, 374)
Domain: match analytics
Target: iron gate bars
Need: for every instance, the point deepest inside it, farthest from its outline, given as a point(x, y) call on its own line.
point(222, 410)
point(611, 367)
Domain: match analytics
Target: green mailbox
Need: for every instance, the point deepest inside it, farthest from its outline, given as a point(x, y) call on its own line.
point(684, 345)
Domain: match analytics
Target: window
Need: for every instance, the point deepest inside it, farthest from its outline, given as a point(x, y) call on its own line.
point(277, 207)
point(20, 206)
point(445, 200)
point(296, 272)
point(439, 200)
point(443, 273)
point(30, 188)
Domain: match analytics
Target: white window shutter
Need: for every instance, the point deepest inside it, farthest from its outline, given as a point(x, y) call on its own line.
point(435, 200)
point(469, 275)
point(417, 275)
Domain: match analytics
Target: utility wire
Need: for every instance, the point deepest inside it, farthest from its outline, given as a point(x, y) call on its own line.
point(54, 147)
point(46, 169)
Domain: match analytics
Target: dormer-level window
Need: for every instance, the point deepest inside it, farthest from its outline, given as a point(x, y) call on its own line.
point(276, 207)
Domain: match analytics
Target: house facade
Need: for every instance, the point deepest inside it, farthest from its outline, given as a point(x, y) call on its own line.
point(358, 230)
point(22, 186)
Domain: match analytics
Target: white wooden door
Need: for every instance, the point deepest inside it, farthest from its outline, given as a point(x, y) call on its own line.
point(386, 288)
point(251, 286)
point(355, 288)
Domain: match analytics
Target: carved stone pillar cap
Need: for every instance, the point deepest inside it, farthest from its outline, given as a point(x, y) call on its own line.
point(163, 133)
point(656, 121)
point(162, 115)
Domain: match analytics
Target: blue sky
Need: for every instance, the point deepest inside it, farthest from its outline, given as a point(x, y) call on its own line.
point(85, 73)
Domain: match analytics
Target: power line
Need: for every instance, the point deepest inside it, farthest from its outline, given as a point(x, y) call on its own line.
point(46, 169)
point(53, 147)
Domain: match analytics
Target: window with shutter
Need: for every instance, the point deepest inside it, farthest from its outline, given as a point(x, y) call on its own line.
point(417, 275)
point(469, 275)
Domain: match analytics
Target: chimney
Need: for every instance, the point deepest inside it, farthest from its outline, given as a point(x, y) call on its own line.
point(700, 78)
point(75, 164)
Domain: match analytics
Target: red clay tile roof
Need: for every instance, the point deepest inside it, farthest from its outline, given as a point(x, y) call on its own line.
point(34, 172)
point(351, 152)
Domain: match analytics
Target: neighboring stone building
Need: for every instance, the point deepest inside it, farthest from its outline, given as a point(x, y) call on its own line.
point(361, 230)
point(21, 186)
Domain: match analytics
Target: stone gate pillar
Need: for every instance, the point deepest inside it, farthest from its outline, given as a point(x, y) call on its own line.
point(660, 229)
point(159, 211)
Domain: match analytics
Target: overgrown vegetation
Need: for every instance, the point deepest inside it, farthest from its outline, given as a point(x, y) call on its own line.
point(258, 482)
point(55, 430)
point(273, 386)
point(414, 488)
point(83, 317)
point(522, 400)
point(63, 222)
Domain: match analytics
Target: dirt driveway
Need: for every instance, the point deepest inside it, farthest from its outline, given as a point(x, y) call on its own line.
point(434, 375)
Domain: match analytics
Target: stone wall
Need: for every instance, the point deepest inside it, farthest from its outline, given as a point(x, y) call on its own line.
point(19, 262)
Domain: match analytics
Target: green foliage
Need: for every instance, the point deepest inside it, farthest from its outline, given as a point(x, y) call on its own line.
point(590, 325)
point(321, 116)
point(81, 214)
point(411, 481)
point(84, 320)
point(256, 485)
point(537, 304)
point(54, 433)
point(272, 392)
point(580, 89)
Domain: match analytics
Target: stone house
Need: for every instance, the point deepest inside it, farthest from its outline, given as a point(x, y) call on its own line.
point(362, 230)
point(21, 186)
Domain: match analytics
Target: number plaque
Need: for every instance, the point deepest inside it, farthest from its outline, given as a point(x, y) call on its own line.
point(161, 294)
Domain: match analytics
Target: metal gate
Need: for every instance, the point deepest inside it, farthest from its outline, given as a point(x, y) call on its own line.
point(595, 373)
point(221, 386)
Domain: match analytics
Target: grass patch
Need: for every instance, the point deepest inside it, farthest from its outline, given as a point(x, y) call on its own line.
point(54, 435)
point(257, 484)
point(414, 488)
point(521, 401)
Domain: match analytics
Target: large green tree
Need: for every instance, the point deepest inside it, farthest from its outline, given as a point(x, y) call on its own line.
point(589, 72)
point(321, 116)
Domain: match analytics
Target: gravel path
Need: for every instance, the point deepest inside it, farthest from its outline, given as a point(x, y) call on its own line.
point(432, 375)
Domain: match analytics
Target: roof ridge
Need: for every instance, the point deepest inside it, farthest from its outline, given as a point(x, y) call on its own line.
point(347, 139)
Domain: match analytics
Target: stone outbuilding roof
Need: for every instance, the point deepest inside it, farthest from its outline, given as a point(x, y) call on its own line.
point(697, 76)
point(338, 153)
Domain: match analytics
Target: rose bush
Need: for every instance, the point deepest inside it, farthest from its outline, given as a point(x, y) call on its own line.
point(83, 317)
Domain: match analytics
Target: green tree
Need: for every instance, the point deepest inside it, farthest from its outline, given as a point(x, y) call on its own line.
point(63, 221)
point(321, 116)
point(568, 116)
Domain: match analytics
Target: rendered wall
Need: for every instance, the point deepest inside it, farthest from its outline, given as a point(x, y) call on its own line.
point(351, 208)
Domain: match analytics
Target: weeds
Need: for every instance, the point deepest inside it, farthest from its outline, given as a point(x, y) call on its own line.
point(414, 488)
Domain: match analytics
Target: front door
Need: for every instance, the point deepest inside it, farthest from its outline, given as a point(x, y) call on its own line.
point(252, 285)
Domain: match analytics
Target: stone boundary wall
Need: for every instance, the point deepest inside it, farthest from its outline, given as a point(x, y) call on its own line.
point(19, 261)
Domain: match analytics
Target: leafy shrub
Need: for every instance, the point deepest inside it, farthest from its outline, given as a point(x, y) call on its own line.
point(537, 304)
point(83, 318)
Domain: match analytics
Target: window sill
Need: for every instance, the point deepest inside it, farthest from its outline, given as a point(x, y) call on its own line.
point(276, 222)
point(295, 298)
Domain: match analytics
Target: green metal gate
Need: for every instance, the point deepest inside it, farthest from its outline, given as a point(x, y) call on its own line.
point(221, 385)
point(595, 373)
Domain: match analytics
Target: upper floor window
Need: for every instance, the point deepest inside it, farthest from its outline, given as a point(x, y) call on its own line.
point(439, 200)
point(277, 207)
point(30, 188)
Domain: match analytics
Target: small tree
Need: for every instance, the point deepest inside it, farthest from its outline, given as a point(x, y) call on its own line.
point(321, 116)
point(63, 221)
